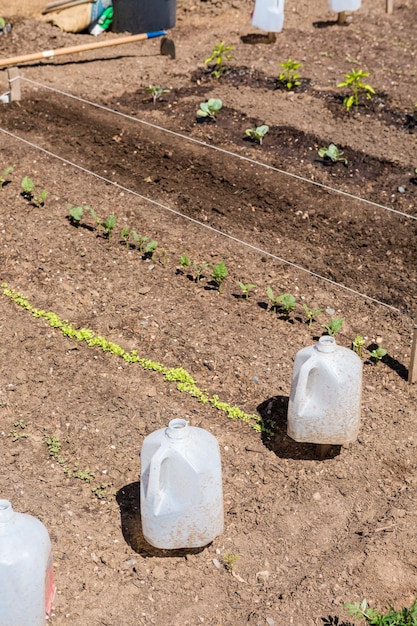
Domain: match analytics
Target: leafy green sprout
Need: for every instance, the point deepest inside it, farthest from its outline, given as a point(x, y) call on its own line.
point(229, 560)
point(150, 249)
point(357, 86)
point(288, 303)
point(219, 55)
point(2, 23)
point(210, 108)
point(257, 133)
point(28, 192)
point(289, 77)
point(156, 91)
point(405, 617)
point(101, 490)
point(140, 241)
point(219, 274)
point(4, 174)
point(108, 225)
point(246, 288)
point(378, 354)
point(311, 314)
point(125, 234)
point(198, 269)
point(332, 153)
point(17, 432)
point(334, 326)
point(357, 345)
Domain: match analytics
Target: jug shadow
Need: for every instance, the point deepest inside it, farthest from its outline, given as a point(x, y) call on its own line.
point(274, 418)
point(128, 499)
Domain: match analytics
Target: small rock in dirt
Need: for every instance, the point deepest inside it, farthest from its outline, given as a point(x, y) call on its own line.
point(316, 496)
point(217, 563)
point(158, 573)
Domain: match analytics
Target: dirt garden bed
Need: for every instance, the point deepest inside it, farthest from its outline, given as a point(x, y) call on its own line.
point(309, 534)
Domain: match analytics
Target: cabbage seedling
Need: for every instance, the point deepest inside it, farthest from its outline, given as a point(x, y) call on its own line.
point(257, 133)
point(209, 108)
point(246, 288)
point(289, 76)
point(28, 192)
point(378, 354)
point(150, 249)
point(219, 274)
point(355, 83)
point(311, 314)
point(334, 326)
point(218, 55)
point(4, 174)
point(156, 91)
point(108, 225)
point(332, 153)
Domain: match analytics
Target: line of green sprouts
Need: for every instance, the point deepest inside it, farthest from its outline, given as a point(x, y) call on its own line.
point(185, 382)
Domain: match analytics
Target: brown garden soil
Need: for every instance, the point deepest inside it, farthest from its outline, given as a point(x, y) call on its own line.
point(309, 533)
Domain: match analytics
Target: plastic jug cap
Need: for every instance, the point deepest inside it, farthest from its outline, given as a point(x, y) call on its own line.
point(177, 429)
point(326, 344)
point(6, 511)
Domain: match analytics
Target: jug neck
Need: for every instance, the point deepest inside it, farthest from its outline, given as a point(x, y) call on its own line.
point(6, 512)
point(326, 344)
point(178, 429)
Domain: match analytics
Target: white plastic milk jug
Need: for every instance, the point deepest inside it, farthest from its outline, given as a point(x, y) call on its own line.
point(26, 580)
point(338, 6)
point(268, 15)
point(181, 494)
point(325, 398)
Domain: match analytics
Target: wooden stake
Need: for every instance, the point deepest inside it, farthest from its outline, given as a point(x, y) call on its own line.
point(412, 371)
point(389, 6)
point(341, 18)
point(48, 54)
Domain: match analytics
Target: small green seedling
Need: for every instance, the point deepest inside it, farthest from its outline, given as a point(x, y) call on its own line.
point(289, 76)
point(355, 83)
point(156, 91)
point(287, 303)
point(54, 447)
point(378, 354)
point(357, 345)
point(4, 174)
point(125, 234)
point(246, 288)
point(101, 490)
point(17, 431)
point(229, 560)
point(333, 154)
point(28, 192)
point(185, 261)
point(108, 225)
point(273, 301)
point(209, 108)
point(2, 23)
point(405, 617)
point(257, 133)
point(75, 214)
point(334, 326)
point(311, 314)
point(219, 55)
point(150, 249)
point(140, 241)
point(199, 269)
point(219, 274)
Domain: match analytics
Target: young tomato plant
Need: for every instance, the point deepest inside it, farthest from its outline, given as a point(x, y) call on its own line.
point(4, 174)
point(257, 133)
point(219, 274)
point(156, 91)
point(333, 154)
point(219, 55)
point(289, 77)
point(357, 86)
point(210, 108)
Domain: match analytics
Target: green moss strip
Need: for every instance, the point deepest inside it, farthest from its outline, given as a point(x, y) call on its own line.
point(185, 381)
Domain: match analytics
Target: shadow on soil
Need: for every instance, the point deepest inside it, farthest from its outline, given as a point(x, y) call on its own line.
point(274, 418)
point(128, 499)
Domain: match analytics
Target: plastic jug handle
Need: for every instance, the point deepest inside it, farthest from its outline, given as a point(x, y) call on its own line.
point(154, 490)
point(300, 396)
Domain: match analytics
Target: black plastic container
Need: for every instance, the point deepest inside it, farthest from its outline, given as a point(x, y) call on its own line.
point(143, 16)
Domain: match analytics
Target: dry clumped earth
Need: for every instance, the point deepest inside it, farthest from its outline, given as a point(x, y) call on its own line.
point(309, 534)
